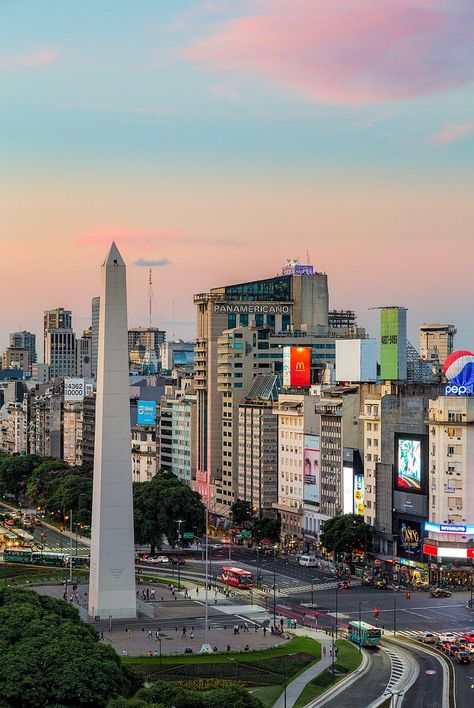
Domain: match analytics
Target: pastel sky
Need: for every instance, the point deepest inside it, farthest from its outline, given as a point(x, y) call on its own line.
point(218, 138)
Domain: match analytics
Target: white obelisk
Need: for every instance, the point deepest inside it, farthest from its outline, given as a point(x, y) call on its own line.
point(112, 567)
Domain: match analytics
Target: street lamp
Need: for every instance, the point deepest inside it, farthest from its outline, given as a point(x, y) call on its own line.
point(274, 587)
point(337, 596)
point(179, 522)
point(360, 620)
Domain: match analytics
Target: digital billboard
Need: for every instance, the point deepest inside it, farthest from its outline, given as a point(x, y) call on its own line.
point(297, 367)
point(393, 343)
point(347, 489)
point(312, 468)
point(409, 539)
point(359, 494)
point(146, 413)
point(409, 465)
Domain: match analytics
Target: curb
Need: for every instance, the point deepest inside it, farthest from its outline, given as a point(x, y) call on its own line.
point(343, 684)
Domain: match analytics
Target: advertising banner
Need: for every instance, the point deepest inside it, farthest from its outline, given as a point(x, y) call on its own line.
point(297, 367)
point(347, 490)
point(146, 412)
point(408, 474)
point(312, 469)
point(359, 494)
point(409, 539)
point(73, 389)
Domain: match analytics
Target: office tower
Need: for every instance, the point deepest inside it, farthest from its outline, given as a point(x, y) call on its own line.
point(84, 356)
point(289, 304)
point(112, 570)
point(15, 358)
point(393, 343)
point(25, 340)
point(94, 334)
point(436, 342)
point(59, 343)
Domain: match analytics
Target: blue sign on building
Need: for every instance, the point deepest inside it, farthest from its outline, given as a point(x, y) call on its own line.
point(146, 412)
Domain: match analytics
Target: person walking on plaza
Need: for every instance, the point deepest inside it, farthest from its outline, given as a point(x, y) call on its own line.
point(184, 631)
point(192, 635)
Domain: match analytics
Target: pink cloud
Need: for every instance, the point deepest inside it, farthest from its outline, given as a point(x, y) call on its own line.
point(37, 58)
point(347, 51)
point(129, 238)
point(453, 132)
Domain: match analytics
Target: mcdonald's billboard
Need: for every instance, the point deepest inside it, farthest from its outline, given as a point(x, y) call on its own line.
point(297, 366)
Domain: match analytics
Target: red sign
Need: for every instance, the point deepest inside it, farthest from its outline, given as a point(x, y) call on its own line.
point(470, 552)
point(300, 366)
point(430, 550)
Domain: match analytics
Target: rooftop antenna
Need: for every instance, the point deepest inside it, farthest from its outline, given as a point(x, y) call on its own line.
point(172, 333)
point(307, 257)
point(150, 297)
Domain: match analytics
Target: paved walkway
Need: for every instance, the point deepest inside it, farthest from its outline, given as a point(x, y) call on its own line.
point(294, 688)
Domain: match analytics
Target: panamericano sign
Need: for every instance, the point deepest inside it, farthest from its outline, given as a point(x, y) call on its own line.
point(251, 309)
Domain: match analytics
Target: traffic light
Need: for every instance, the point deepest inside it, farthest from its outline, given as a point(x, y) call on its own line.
point(376, 613)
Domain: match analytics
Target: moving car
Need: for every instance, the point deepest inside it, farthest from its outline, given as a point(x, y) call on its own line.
point(217, 546)
point(470, 648)
point(439, 592)
point(428, 638)
point(469, 636)
point(177, 561)
point(344, 585)
point(447, 637)
point(309, 561)
point(157, 559)
point(453, 649)
point(462, 657)
point(381, 584)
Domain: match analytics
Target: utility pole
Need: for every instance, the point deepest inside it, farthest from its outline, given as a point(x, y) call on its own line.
point(71, 546)
point(179, 522)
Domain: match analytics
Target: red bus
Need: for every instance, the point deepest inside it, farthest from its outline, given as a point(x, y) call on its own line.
point(237, 577)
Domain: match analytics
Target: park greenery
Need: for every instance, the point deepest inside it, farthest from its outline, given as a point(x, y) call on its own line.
point(51, 658)
point(167, 694)
point(343, 534)
point(57, 488)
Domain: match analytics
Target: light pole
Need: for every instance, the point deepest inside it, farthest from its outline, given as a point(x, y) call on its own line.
point(274, 587)
point(179, 522)
point(71, 547)
point(394, 614)
point(312, 593)
point(337, 596)
point(360, 620)
point(206, 613)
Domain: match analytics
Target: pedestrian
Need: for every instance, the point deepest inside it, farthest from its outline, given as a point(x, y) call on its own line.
point(185, 592)
point(197, 591)
point(264, 631)
point(330, 651)
point(150, 634)
point(336, 651)
point(101, 635)
point(246, 627)
point(192, 635)
point(324, 651)
point(184, 631)
point(124, 652)
point(153, 594)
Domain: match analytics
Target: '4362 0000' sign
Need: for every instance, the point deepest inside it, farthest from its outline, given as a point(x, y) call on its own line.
point(73, 389)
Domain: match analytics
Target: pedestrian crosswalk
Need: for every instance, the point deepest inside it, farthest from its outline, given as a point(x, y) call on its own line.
point(300, 588)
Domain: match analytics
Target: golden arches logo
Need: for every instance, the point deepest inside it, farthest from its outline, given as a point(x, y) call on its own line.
point(300, 366)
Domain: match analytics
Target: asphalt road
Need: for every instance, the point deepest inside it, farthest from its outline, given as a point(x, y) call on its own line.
point(368, 687)
point(57, 542)
point(427, 691)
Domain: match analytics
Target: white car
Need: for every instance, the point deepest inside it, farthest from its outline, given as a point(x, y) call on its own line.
point(428, 638)
point(447, 637)
point(157, 559)
point(217, 546)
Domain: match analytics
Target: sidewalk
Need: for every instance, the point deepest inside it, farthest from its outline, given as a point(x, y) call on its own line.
point(294, 688)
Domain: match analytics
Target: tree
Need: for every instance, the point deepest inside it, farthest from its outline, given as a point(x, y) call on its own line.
point(346, 532)
point(159, 504)
point(241, 512)
point(170, 694)
point(15, 470)
point(50, 657)
point(267, 528)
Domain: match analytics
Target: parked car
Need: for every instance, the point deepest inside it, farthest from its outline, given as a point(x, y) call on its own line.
point(439, 592)
point(308, 561)
point(428, 638)
point(463, 657)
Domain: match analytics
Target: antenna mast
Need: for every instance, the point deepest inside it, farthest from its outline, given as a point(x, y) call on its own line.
point(150, 297)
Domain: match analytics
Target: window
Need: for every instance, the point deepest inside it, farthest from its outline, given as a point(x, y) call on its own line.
point(231, 321)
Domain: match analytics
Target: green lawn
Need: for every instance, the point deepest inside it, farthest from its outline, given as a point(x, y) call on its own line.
point(294, 646)
point(348, 660)
point(267, 694)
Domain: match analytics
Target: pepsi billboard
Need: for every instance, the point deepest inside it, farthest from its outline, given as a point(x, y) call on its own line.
point(459, 370)
point(146, 413)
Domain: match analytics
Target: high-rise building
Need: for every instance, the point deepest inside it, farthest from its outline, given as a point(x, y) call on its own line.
point(436, 342)
point(15, 358)
point(59, 343)
point(144, 345)
point(25, 340)
point(291, 303)
point(84, 356)
point(393, 343)
point(94, 334)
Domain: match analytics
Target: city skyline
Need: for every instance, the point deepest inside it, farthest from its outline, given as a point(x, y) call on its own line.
point(217, 156)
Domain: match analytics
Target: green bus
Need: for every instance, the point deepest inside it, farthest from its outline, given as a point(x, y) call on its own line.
point(28, 557)
point(364, 634)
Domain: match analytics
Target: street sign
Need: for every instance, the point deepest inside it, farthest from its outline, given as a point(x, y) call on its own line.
point(188, 534)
